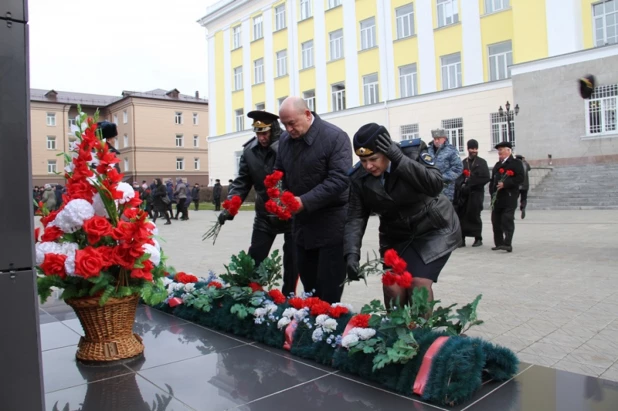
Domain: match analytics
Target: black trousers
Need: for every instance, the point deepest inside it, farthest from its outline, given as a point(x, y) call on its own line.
point(523, 199)
point(323, 270)
point(181, 207)
point(503, 223)
point(261, 243)
point(217, 202)
point(196, 203)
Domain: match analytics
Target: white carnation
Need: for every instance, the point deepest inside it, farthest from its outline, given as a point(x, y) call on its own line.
point(349, 339)
point(363, 333)
point(188, 288)
point(167, 281)
point(154, 230)
point(44, 248)
point(300, 314)
point(259, 312)
point(317, 335)
point(271, 309)
point(289, 312)
point(283, 322)
point(73, 215)
point(330, 325)
point(127, 192)
point(69, 249)
point(320, 319)
point(155, 254)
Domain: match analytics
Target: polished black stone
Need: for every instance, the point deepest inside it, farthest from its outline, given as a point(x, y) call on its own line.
point(57, 335)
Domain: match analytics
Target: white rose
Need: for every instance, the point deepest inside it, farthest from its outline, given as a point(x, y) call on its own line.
point(317, 335)
point(127, 192)
point(155, 255)
point(73, 215)
point(348, 340)
point(283, 322)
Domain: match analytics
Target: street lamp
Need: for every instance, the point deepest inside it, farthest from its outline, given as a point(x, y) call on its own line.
point(508, 115)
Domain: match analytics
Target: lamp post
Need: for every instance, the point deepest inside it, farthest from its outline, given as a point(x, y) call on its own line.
point(509, 115)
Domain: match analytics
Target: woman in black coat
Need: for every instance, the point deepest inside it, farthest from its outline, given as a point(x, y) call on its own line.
point(160, 196)
point(400, 183)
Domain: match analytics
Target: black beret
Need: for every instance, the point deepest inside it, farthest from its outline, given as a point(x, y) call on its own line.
point(472, 143)
point(519, 156)
point(262, 120)
point(504, 144)
point(108, 130)
point(365, 139)
point(586, 86)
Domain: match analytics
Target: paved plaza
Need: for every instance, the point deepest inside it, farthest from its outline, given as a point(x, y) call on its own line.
point(554, 300)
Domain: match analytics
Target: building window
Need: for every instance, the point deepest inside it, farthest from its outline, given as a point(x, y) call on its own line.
point(405, 20)
point(126, 164)
point(451, 71)
point(115, 119)
point(196, 119)
point(260, 106)
point(338, 93)
point(368, 33)
point(305, 9)
point(180, 163)
point(307, 54)
point(126, 140)
point(236, 40)
point(500, 131)
point(280, 101)
point(309, 97)
point(72, 123)
point(196, 141)
point(51, 143)
point(51, 119)
point(196, 163)
point(282, 63)
point(492, 6)
point(601, 111)
point(258, 71)
point(500, 61)
point(370, 89)
point(336, 45)
point(180, 140)
point(407, 80)
point(333, 3)
point(605, 22)
point(448, 13)
point(280, 17)
point(257, 28)
point(51, 166)
point(237, 157)
point(125, 117)
point(409, 132)
point(178, 117)
point(238, 78)
point(240, 119)
point(455, 132)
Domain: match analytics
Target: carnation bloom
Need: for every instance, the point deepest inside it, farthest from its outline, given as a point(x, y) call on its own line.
point(73, 215)
point(283, 322)
point(349, 340)
point(127, 192)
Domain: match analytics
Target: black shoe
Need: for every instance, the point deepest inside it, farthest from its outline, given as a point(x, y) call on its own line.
point(523, 213)
point(168, 223)
point(477, 243)
point(462, 245)
point(507, 248)
point(184, 219)
point(496, 248)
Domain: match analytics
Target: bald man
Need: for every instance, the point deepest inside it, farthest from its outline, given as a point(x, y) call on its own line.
point(315, 157)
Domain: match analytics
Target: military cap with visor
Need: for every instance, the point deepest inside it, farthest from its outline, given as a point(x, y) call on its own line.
point(262, 120)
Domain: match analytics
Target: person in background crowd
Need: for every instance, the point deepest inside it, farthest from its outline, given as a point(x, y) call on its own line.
point(189, 199)
point(144, 185)
point(230, 182)
point(109, 132)
point(49, 197)
point(216, 195)
point(447, 160)
point(401, 184)
point(58, 192)
point(160, 198)
point(146, 197)
point(257, 161)
point(169, 187)
point(181, 195)
point(523, 188)
point(470, 194)
point(314, 156)
point(195, 194)
point(507, 190)
point(37, 195)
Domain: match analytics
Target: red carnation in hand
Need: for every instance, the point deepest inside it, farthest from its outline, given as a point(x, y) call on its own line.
point(501, 171)
point(273, 192)
point(97, 227)
point(392, 259)
point(88, 262)
point(405, 280)
point(52, 234)
point(389, 278)
point(510, 173)
point(53, 264)
point(273, 179)
point(466, 173)
point(360, 321)
point(277, 296)
point(289, 201)
point(271, 207)
point(215, 284)
point(255, 287)
point(232, 205)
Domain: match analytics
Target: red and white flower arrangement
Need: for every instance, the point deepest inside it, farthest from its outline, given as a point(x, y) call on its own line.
point(281, 203)
point(357, 330)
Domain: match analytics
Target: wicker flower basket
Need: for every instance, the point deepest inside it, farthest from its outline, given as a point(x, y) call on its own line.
point(108, 329)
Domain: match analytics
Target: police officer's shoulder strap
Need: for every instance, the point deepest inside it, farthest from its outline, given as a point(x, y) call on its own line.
point(415, 142)
point(248, 143)
point(354, 169)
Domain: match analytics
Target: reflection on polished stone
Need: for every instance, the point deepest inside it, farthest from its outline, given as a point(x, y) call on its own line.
point(226, 379)
point(45, 318)
point(125, 393)
point(541, 388)
point(57, 335)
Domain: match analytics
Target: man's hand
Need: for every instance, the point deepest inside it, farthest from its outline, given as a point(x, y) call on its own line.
point(500, 185)
point(352, 267)
point(301, 206)
point(390, 149)
point(223, 216)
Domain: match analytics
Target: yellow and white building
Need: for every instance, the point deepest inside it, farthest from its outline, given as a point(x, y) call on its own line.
point(410, 65)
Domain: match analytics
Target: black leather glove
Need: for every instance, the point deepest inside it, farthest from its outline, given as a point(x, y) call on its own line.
point(352, 267)
point(224, 216)
point(389, 148)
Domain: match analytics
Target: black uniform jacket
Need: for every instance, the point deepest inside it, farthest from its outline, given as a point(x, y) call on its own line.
point(256, 163)
point(411, 207)
point(507, 197)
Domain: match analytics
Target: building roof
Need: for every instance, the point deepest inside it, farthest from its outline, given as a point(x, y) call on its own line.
point(99, 100)
point(169, 95)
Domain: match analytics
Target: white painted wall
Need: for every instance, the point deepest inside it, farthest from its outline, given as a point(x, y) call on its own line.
point(472, 43)
point(350, 46)
point(227, 81)
point(247, 68)
point(564, 26)
point(319, 58)
point(426, 57)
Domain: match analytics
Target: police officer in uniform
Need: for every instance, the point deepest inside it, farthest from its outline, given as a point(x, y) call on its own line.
point(401, 184)
point(256, 162)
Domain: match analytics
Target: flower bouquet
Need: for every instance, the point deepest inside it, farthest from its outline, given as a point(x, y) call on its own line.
point(282, 204)
point(230, 206)
point(99, 248)
point(504, 175)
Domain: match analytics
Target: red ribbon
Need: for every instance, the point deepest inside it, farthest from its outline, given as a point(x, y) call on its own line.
point(289, 335)
point(347, 330)
point(423, 373)
point(173, 302)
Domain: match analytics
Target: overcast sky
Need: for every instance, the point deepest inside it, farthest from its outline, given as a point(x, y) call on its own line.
point(105, 47)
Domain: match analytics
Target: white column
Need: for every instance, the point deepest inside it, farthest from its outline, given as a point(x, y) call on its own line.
point(350, 50)
point(426, 49)
point(269, 74)
point(387, 54)
point(228, 84)
point(247, 65)
point(472, 43)
point(564, 26)
point(319, 58)
point(293, 48)
point(212, 88)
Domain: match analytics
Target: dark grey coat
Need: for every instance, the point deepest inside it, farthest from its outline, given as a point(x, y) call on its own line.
point(315, 169)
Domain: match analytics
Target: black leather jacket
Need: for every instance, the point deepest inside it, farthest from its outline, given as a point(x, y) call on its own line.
point(411, 208)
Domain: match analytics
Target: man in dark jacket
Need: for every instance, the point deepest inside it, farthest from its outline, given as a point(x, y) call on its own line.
point(258, 161)
point(470, 194)
point(216, 194)
point(195, 195)
point(315, 156)
point(507, 175)
point(523, 188)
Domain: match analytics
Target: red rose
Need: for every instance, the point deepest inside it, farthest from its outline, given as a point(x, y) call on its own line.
point(88, 262)
point(360, 321)
point(142, 273)
point(122, 256)
point(123, 232)
point(53, 264)
point(52, 234)
point(277, 296)
point(510, 173)
point(50, 217)
point(466, 173)
point(37, 233)
point(80, 189)
point(273, 192)
point(215, 284)
point(501, 171)
point(337, 311)
point(255, 287)
point(97, 227)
